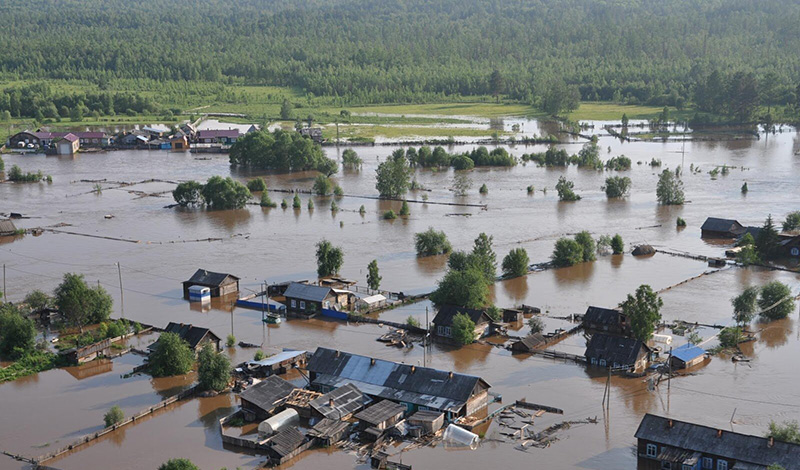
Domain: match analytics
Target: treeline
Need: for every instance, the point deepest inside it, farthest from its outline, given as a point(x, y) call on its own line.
point(438, 157)
point(548, 53)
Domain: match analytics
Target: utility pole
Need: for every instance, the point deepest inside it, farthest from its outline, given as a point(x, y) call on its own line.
point(5, 296)
point(121, 294)
point(669, 378)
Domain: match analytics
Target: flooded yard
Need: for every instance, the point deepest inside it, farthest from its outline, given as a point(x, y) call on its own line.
point(157, 249)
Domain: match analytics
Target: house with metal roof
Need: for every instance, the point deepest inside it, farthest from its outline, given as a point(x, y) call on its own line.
point(339, 403)
point(443, 321)
point(606, 320)
point(687, 356)
point(196, 336)
point(617, 351)
point(412, 386)
point(715, 227)
point(263, 398)
point(218, 136)
point(666, 443)
point(220, 283)
point(308, 299)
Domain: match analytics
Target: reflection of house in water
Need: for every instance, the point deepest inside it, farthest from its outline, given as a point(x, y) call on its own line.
point(90, 369)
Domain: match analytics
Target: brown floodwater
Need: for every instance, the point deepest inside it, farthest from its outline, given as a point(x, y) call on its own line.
point(47, 410)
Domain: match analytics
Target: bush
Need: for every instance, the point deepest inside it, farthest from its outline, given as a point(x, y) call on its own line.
point(530, 189)
point(284, 204)
point(15, 174)
point(113, 416)
point(564, 189)
point(230, 341)
point(259, 355)
point(389, 215)
point(17, 333)
point(730, 337)
point(617, 245)
point(771, 294)
point(362, 210)
point(322, 185)
point(214, 368)
point(172, 356)
point(463, 329)
point(536, 325)
point(338, 191)
point(567, 252)
point(178, 464)
point(617, 186)
point(516, 263)
point(350, 159)
point(296, 203)
point(188, 193)
point(266, 201)
point(334, 206)
point(483, 189)
point(744, 188)
point(431, 242)
point(411, 321)
point(680, 222)
point(225, 193)
point(788, 431)
point(257, 184)
point(586, 242)
point(619, 163)
point(404, 210)
point(310, 204)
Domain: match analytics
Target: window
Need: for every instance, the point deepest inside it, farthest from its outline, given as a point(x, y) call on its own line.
point(294, 303)
point(594, 361)
point(652, 450)
point(708, 462)
point(447, 331)
point(722, 465)
point(302, 305)
point(666, 465)
point(602, 362)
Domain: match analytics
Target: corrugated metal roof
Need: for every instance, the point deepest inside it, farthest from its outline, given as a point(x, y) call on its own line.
point(346, 401)
point(730, 445)
point(269, 393)
point(380, 412)
point(687, 352)
point(308, 292)
point(277, 358)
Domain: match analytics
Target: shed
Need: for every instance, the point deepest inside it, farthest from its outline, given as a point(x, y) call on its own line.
point(371, 302)
point(715, 227)
point(68, 145)
point(429, 421)
point(340, 403)
point(329, 431)
point(260, 400)
point(7, 228)
point(686, 356)
point(443, 321)
point(278, 363)
point(606, 320)
point(286, 444)
point(220, 283)
point(308, 299)
point(381, 415)
point(529, 343)
point(513, 315)
point(616, 351)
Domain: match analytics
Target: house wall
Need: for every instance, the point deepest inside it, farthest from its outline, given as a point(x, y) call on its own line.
point(647, 462)
point(476, 403)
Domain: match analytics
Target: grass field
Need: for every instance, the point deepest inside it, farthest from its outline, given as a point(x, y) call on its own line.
point(371, 132)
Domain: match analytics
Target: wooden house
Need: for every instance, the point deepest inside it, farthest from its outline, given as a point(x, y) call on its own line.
point(262, 399)
point(24, 140)
point(179, 141)
point(413, 387)
point(221, 284)
point(617, 352)
point(667, 443)
point(790, 246)
point(687, 356)
point(714, 227)
point(308, 300)
point(329, 431)
point(606, 320)
point(285, 445)
point(513, 315)
point(381, 415)
point(443, 321)
point(529, 343)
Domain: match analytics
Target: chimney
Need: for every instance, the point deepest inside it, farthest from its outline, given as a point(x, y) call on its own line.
point(413, 368)
point(330, 403)
point(450, 375)
point(372, 361)
point(771, 442)
point(670, 424)
point(337, 353)
point(719, 432)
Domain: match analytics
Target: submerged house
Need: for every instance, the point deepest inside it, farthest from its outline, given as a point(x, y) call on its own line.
point(263, 398)
point(196, 336)
point(7, 228)
point(308, 299)
point(606, 320)
point(687, 356)
point(665, 443)
point(443, 321)
point(67, 145)
point(529, 343)
point(714, 227)
point(617, 352)
point(220, 283)
point(416, 388)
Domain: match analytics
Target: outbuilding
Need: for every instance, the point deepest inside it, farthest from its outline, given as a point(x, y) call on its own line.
point(221, 284)
point(7, 228)
point(606, 320)
point(715, 227)
point(380, 416)
point(195, 336)
point(263, 398)
point(529, 343)
point(687, 356)
point(68, 145)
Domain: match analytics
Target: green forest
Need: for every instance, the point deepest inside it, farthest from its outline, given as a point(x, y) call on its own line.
point(540, 52)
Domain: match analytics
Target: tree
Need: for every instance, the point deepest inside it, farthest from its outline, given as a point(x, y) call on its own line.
point(214, 369)
point(113, 416)
point(178, 464)
point(494, 312)
point(350, 159)
point(744, 305)
point(80, 304)
point(322, 185)
point(431, 242)
point(257, 185)
point(463, 329)
point(776, 301)
point(404, 209)
point(536, 325)
point(484, 257)
point(564, 189)
point(280, 150)
point(171, 356)
point(461, 184)
point(617, 186)
point(559, 97)
point(76, 114)
point(788, 431)
point(516, 263)
point(617, 245)
point(746, 240)
point(643, 310)
point(296, 203)
point(266, 201)
point(329, 258)
point(748, 255)
point(792, 221)
point(669, 189)
point(411, 321)
point(466, 288)
point(286, 110)
point(730, 337)
point(17, 333)
point(496, 84)
point(188, 193)
point(225, 193)
point(767, 241)
point(373, 276)
point(567, 252)
point(393, 175)
point(38, 300)
point(585, 240)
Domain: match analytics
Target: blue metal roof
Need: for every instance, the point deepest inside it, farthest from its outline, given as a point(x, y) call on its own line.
point(687, 352)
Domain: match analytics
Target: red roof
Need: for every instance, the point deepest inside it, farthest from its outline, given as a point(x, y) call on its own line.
point(71, 137)
point(78, 134)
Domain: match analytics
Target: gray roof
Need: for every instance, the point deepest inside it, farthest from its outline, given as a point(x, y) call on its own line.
point(307, 292)
point(380, 412)
point(529, 343)
point(753, 450)
point(426, 416)
point(189, 333)
point(211, 279)
point(286, 441)
point(614, 349)
point(269, 393)
point(602, 316)
point(346, 401)
point(422, 386)
point(446, 313)
point(715, 224)
point(328, 428)
point(7, 227)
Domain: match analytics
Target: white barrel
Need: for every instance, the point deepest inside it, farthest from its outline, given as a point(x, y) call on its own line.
point(457, 436)
point(275, 423)
point(663, 339)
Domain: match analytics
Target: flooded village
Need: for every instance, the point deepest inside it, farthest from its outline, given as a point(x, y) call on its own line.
point(366, 365)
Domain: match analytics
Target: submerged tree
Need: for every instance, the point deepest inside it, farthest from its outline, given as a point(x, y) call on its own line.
point(214, 369)
point(669, 189)
point(744, 305)
point(431, 242)
point(329, 258)
point(171, 356)
point(776, 301)
point(516, 263)
point(564, 187)
point(393, 175)
point(463, 329)
point(80, 304)
point(373, 275)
